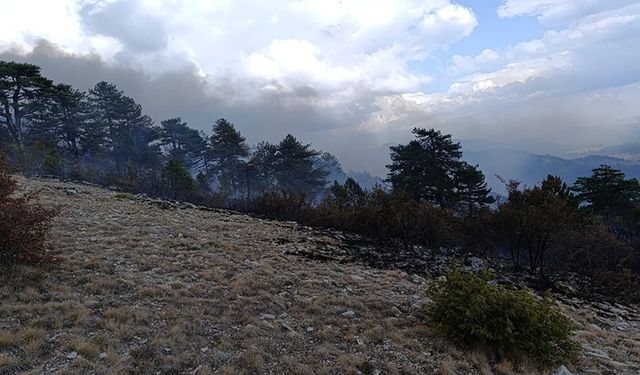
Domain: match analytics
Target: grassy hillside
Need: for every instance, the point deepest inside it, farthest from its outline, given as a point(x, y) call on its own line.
point(150, 287)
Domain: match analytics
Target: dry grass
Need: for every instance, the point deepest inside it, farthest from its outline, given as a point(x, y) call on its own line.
point(172, 291)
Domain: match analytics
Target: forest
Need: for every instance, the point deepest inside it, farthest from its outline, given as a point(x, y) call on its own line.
point(586, 230)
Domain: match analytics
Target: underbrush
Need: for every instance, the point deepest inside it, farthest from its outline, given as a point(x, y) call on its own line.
point(513, 325)
point(23, 224)
point(378, 216)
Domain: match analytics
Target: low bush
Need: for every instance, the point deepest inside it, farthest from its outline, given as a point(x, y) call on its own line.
point(23, 224)
point(513, 325)
point(282, 205)
point(379, 215)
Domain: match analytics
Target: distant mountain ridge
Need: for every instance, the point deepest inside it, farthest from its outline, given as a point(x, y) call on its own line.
point(627, 151)
point(531, 168)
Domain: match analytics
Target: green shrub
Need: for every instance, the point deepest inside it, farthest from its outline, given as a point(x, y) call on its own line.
point(511, 324)
point(125, 196)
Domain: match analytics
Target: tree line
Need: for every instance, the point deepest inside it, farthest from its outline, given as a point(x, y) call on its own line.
point(433, 198)
point(103, 135)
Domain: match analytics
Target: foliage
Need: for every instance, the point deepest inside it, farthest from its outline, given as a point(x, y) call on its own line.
point(429, 169)
point(177, 183)
point(379, 215)
point(181, 143)
point(477, 233)
point(282, 205)
point(615, 199)
point(295, 169)
point(607, 190)
point(125, 196)
point(23, 224)
point(512, 324)
point(228, 151)
point(436, 199)
point(534, 220)
point(21, 88)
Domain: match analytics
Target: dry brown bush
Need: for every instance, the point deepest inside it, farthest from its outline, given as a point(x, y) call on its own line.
point(23, 223)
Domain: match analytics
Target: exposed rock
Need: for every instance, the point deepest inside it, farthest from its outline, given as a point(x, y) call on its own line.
point(72, 355)
point(200, 370)
point(349, 314)
point(71, 191)
point(288, 328)
point(267, 316)
point(597, 353)
point(103, 355)
point(355, 277)
point(474, 264)
point(562, 371)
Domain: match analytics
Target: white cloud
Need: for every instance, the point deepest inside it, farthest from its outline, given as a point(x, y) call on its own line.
point(569, 81)
point(470, 64)
point(329, 45)
point(558, 11)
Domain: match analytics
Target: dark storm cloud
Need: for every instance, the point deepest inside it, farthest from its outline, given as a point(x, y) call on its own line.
point(184, 93)
point(128, 22)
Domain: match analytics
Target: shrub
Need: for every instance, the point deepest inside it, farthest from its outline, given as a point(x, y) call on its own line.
point(52, 164)
point(178, 183)
point(23, 224)
point(282, 205)
point(511, 324)
point(125, 196)
point(388, 217)
point(603, 260)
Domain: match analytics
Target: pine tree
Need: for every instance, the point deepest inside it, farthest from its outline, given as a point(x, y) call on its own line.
point(228, 150)
point(60, 119)
point(471, 189)
point(260, 170)
point(347, 195)
point(119, 120)
point(295, 168)
point(607, 191)
point(181, 143)
point(425, 168)
point(430, 169)
point(22, 88)
point(330, 164)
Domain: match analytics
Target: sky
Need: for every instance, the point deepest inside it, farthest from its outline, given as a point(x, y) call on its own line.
point(354, 76)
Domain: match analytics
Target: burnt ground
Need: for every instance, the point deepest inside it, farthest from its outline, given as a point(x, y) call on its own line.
point(144, 286)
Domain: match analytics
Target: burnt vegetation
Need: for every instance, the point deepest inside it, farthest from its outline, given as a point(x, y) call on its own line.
point(588, 233)
point(431, 198)
point(23, 224)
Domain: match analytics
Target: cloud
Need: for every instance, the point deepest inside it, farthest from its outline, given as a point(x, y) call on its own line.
point(470, 64)
point(185, 93)
point(558, 11)
point(330, 45)
point(351, 76)
point(128, 22)
point(570, 87)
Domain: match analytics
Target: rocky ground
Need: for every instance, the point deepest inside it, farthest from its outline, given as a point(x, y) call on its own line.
point(152, 287)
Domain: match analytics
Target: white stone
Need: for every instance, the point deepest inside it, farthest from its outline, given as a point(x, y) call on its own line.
point(72, 355)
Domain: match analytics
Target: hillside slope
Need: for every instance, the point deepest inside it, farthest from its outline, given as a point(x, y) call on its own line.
point(147, 287)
